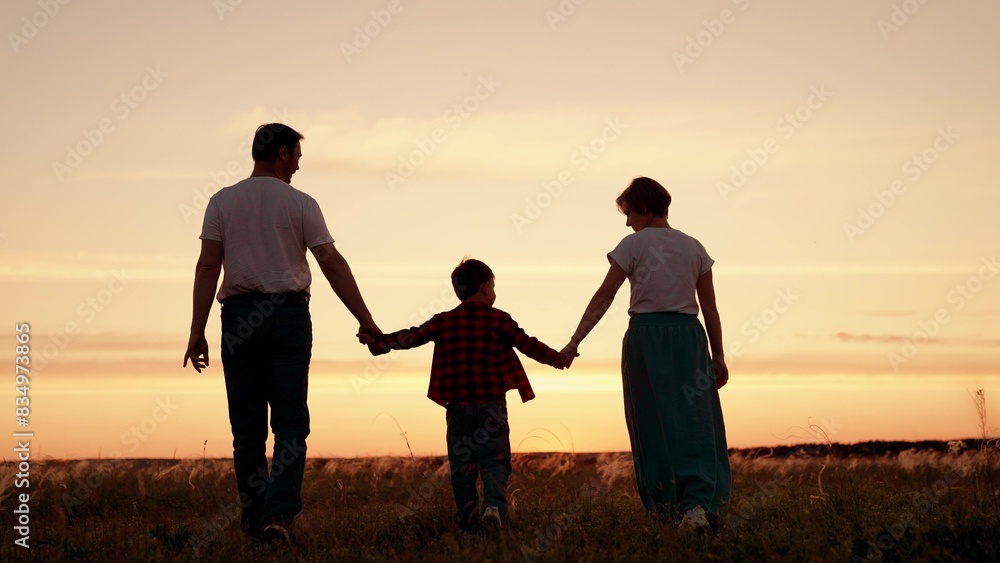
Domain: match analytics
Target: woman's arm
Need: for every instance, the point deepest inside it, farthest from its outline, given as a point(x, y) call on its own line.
point(598, 305)
point(713, 326)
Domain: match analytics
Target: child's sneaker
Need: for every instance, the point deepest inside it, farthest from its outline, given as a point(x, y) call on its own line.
point(279, 533)
point(695, 520)
point(491, 519)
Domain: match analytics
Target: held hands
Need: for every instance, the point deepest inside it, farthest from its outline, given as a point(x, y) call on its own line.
point(367, 332)
point(567, 354)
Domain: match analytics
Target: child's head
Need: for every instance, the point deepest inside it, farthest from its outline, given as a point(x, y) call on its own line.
point(473, 279)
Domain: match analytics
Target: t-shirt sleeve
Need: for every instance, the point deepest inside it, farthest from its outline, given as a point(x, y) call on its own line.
point(314, 231)
point(211, 227)
point(624, 256)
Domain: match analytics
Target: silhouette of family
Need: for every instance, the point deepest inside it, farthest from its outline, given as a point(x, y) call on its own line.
point(255, 235)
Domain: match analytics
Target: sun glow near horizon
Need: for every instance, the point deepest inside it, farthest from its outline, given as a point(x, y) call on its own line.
point(157, 412)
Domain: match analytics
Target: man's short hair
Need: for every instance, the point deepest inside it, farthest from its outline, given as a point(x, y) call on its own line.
point(468, 276)
point(645, 195)
point(269, 138)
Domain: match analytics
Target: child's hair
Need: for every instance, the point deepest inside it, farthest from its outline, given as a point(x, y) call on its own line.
point(468, 276)
point(645, 195)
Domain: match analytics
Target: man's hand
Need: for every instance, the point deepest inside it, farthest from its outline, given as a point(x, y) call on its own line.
point(206, 279)
point(197, 352)
point(368, 331)
point(721, 372)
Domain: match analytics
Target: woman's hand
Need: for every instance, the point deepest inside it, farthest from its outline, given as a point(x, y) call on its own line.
point(721, 372)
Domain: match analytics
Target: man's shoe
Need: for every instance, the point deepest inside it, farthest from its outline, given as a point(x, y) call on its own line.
point(491, 519)
point(250, 524)
point(252, 531)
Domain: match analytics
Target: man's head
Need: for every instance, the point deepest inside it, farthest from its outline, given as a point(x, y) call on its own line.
point(473, 280)
point(277, 146)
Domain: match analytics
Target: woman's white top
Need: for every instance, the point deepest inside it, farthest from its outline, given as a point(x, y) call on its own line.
point(663, 266)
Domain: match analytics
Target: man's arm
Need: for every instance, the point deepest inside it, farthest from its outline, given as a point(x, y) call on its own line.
point(713, 326)
point(338, 273)
point(206, 280)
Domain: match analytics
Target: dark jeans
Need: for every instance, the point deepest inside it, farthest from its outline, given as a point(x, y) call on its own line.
point(266, 347)
point(478, 444)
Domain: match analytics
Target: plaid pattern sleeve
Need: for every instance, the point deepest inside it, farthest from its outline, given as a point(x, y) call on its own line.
point(404, 339)
point(529, 345)
point(474, 360)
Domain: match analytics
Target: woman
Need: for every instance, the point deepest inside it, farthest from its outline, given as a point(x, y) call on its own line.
point(670, 381)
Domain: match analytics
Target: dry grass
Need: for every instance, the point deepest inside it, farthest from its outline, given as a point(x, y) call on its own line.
point(917, 505)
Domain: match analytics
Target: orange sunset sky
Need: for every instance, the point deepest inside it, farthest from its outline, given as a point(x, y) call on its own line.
point(837, 160)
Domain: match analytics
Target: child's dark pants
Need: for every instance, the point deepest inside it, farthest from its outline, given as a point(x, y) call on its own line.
point(478, 444)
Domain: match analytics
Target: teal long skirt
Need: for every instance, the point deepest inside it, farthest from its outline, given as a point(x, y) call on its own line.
point(673, 415)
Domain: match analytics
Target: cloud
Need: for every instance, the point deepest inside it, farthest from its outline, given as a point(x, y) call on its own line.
point(888, 313)
point(883, 338)
point(940, 364)
point(99, 265)
point(523, 145)
point(94, 265)
point(157, 369)
point(842, 269)
point(902, 338)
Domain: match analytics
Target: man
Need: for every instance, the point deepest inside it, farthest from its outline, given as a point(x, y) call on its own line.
point(259, 230)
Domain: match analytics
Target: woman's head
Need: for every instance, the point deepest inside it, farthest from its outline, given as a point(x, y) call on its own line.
point(644, 196)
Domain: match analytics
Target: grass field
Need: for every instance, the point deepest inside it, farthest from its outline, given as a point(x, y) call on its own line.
point(805, 504)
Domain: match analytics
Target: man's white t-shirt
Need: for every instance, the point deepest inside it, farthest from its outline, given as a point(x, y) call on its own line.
point(265, 226)
point(663, 266)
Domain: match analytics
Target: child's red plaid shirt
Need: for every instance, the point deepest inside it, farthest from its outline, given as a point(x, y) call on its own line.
point(474, 360)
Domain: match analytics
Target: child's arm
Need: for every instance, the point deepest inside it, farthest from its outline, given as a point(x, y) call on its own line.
point(404, 339)
point(530, 346)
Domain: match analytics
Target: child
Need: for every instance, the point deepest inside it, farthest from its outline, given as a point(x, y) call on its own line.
point(474, 366)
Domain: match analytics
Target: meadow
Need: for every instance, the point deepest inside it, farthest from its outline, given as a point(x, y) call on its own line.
point(808, 503)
